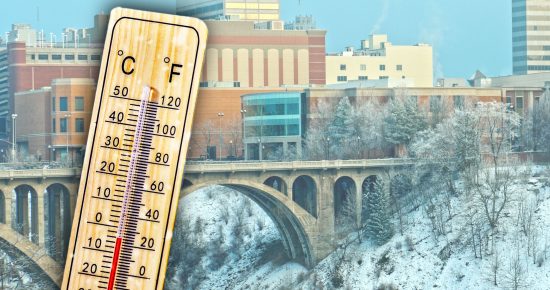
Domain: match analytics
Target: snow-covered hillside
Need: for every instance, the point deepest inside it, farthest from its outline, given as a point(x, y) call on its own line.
point(240, 248)
point(237, 244)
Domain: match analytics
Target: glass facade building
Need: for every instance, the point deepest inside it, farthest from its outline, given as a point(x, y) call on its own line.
point(255, 10)
point(272, 122)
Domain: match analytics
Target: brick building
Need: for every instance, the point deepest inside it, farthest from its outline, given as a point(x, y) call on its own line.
point(31, 68)
point(59, 122)
point(240, 55)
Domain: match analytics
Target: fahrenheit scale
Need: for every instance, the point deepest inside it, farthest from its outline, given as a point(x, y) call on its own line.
point(139, 133)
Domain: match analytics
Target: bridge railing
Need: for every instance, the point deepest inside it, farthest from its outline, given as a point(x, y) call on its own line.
point(199, 167)
point(39, 173)
point(292, 165)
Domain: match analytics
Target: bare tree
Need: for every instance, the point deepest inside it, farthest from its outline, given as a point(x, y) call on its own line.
point(369, 119)
point(207, 133)
point(514, 277)
point(498, 127)
point(541, 122)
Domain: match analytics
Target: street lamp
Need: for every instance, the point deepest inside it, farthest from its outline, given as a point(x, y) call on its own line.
point(359, 147)
point(14, 135)
point(67, 116)
point(220, 116)
point(52, 153)
point(260, 149)
point(327, 148)
point(243, 135)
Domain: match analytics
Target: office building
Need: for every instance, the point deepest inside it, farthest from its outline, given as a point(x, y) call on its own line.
point(530, 36)
point(272, 125)
point(57, 127)
point(31, 68)
point(255, 10)
point(379, 59)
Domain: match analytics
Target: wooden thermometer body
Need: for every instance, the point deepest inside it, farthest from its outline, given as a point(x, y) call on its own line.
point(136, 150)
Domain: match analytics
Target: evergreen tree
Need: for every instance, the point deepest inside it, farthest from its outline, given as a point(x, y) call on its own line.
point(341, 129)
point(378, 221)
point(404, 120)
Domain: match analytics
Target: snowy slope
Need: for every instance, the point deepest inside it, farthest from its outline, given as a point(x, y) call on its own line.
point(416, 259)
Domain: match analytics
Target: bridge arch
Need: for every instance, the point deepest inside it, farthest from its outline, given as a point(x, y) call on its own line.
point(45, 267)
point(57, 216)
point(344, 200)
point(293, 223)
point(26, 211)
point(304, 193)
point(2, 207)
point(186, 183)
point(277, 183)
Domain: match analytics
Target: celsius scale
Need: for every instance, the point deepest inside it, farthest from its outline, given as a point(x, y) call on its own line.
point(136, 150)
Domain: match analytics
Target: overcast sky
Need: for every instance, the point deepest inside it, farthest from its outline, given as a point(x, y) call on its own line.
point(466, 34)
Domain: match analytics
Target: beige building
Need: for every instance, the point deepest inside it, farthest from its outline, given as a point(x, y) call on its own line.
point(531, 36)
point(379, 59)
point(256, 10)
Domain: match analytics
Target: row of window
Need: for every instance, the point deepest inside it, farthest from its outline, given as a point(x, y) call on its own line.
point(64, 104)
point(63, 122)
point(81, 57)
point(532, 68)
point(363, 67)
point(360, 78)
point(531, 47)
point(436, 102)
point(202, 10)
point(531, 57)
point(531, 28)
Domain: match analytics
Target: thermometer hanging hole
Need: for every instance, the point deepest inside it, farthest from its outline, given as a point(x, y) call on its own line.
point(166, 60)
point(120, 52)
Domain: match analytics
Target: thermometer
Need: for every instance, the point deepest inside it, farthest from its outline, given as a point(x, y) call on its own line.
point(136, 150)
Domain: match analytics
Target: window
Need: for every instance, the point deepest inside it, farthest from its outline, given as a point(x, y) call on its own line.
point(343, 67)
point(63, 104)
point(69, 57)
point(508, 100)
point(399, 67)
point(79, 103)
point(382, 67)
point(342, 78)
point(53, 125)
point(82, 57)
point(519, 102)
point(79, 125)
point(435, 104)
point(363, 67)
point(56, 56)
point(32, 57)
point(363, 78)
point(458, 102)
point(42, 57)
point(63, 125)
point(53, 104)
point(95, 57)
point(414, 100)
point(383, 77)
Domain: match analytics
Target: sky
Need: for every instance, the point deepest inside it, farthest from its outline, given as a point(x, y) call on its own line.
point(466, 35)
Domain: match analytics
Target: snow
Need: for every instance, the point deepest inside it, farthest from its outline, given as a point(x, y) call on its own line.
point(258, 262)
point(367, 266)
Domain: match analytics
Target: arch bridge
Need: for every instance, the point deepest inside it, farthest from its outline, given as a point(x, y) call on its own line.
point(303, 198)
